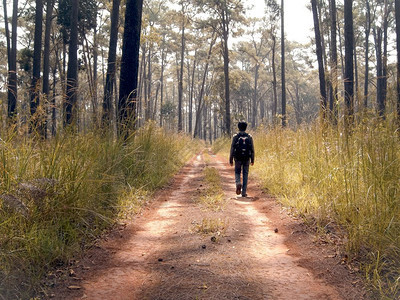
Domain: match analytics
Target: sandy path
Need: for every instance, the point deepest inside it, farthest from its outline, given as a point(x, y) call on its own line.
point(159, 256)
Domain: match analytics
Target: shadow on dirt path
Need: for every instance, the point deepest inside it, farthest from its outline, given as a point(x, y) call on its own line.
point(161, 256)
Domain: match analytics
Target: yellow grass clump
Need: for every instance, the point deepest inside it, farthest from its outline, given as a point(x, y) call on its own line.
point(57, 196)
point(351, 178)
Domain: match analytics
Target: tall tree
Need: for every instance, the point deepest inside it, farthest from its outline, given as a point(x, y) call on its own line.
point(321, 69)
point(46, 52)
point(349, 67)
point(12, 91)
point(367, 33)
point(274, 81)
point(273, 11)
point(284, 118)
point(385, 55)
point(333, 62)
point(225, 18)
point(180, 80)
point(36, 123)
point(226, 13)
point(70, 103)
point(380, 97)
point(111, 65)
point(129, 67)
point(202, 86)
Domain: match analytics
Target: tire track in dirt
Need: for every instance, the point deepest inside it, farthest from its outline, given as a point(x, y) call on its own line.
point(160, 257)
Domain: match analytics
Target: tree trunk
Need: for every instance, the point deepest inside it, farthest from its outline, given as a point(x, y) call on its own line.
point(274, 82)
point(111, 65)
point(321, 69)
point(95, 57)
point(46, 54)
point(162, 84)
point(320, 5)
point(7, 32)
point(349, 68)
point(148, 92)
point(225, 34)
point(200, 104)
point(333, 107)
point(379, 72)
point(70, 104)
point(89, 73)
point(191, 98)
point(385, 55)
point(36, 122)
point(141, 86)
point(180, 83)
point(254, 105)
point(367, 33)
point(12, 92)
point(53, 105)
point(129, 67)
point(341, 49)
point(283, 65)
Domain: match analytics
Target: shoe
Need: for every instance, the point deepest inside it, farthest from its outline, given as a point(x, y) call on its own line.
point(244, 195)
point(238, 189)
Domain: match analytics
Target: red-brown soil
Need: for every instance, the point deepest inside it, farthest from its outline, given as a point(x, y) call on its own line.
point(264, 253)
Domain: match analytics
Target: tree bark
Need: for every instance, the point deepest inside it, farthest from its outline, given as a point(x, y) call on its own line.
point(225, 34)
point(254, 104)
point(349, 67)
point(36, 122)
point(333, 107)
point(180, 83)
point(321, 69)
point(200, 102)
point(46, 54)
point(385, 55)
point(191, 97)
point(162, 84)
point(111, 65)
point(70, 104)
point(53, 105)
point(148, 81)
point(12, 91)
point(367, 33)
point(379, 72)
point(274, 82)
point(129, 67)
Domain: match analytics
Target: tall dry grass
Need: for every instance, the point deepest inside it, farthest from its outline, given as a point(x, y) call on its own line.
point(349, 178)
point(69, 190)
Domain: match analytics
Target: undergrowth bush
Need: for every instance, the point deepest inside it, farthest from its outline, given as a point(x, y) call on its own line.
point(351, 179)
point(57, 196)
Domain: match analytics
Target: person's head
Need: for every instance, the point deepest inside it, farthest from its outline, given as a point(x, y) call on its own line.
point(242, 126)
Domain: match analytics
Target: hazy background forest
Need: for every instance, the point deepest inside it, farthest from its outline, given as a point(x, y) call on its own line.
point(181, 83)
point(75, 78)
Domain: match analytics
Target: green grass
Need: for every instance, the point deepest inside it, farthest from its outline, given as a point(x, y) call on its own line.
point(94, 180)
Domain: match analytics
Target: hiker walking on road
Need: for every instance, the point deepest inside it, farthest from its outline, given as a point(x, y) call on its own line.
point(242, 151)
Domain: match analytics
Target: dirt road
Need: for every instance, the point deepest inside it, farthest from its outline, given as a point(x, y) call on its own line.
point(258, 252)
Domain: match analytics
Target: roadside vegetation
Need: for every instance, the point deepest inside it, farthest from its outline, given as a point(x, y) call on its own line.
point(212, 196)
point(59, 195)
point(348, 180)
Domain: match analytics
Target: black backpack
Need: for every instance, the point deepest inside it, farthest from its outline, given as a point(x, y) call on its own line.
point(242, 147)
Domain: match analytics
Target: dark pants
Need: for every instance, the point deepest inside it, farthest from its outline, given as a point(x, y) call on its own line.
point(239, 167)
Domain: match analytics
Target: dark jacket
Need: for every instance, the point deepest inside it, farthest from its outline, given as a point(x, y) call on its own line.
point(234, 140)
